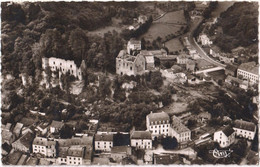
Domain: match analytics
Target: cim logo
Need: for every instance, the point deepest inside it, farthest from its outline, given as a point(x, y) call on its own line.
point(221, 153)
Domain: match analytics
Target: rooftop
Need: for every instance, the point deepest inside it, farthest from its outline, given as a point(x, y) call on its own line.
point(178, 126)
point(161, 116)
point(228, 130)
point(165, 159)
point(231, 67)
point(26, 139)
point(123, 55)
point(241, 124)
point(104, 137)
point(251, 67)
point(134, 41)
point(141, 135)
point(18, 127)
point(76, 151)
point(149, 59)
point(82, 141)
point(63, 152)
point(43, 141)
point(57, 124)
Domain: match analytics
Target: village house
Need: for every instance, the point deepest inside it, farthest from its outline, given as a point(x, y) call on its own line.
point(158, 124)
point(7, 127)
point(7, 137)
point(42, 129)
point(103, 142)
point(44, 146)
point(231, 70)
point(182, 59)
point(130, 65)
point(133, 45)
point(237, 82)
point(204, 39)
point(142, 19)
point(203, 117)
point(225, 136)
point(166, 159)
point(75, 155)
point(141, 139)
point(149, 59)
point(64, 66)
point(249, 71)
point(56, 126)
point(180, 131)
point(118, 153)
point(24, 143)
point(244, 129)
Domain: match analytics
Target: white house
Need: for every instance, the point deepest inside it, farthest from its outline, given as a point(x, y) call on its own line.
point(249, 71)
point(141, 139)
point(158, 124)
point(133, 45)
point(56, 126)
point(204, 39)
point(245, 129)
point(180, 131)
point(44, 146)
point(103, 142)
point(225, 136)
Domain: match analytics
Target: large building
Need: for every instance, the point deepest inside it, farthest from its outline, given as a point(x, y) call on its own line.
point(249, 71)
point(103, 142)
point(245, 129)
point(225, 136)
point(24, 143)
point(44, 146)
point(141, 139)
point(158, 124)
point(127, 64)
point(64, 66)
point(180, 131)
point(133, 45)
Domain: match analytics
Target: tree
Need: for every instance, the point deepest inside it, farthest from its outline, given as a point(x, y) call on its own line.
point(169, 143)
point(156, 80)
point(66, 132)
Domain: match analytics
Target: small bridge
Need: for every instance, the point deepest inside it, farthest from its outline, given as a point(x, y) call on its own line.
point(209, 70)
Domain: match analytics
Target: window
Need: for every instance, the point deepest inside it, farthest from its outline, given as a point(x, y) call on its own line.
point(54, 62)
point(70, 66)
point(74, 158)
point(131, 68)
point(60, 63)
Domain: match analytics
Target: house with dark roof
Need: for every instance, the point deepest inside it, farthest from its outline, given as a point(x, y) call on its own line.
point(18, 129)
point(180, 131)
point(24, 143)
point(56, 126)
point(158, 124)
point(141, 139)
point(166, 159)
point(103, 142)
point(244, 129)
point(121, 139)
point(225, 136)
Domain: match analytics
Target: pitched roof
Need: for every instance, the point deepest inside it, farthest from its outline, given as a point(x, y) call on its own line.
point(43, 141)
point(82, 141)
point(6, 135)
point(63, 152)
point(149, 59)
point(251, 67)
point(123, 55)
point(134, 41)
point(18, 127)
point(165, 159)
point(104, 137)
point(241, 124)
point(7, 126)
point(178, 126)
point(161, 116)
point(57, 124)
point(228, 130)
point(76, 151)
point(141, 135)
point(26, 139)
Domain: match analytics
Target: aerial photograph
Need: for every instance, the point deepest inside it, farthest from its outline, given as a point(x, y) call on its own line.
point(129, 83)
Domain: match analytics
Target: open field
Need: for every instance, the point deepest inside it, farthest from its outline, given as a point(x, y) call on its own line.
point(115, 26)
point(168, 24)
point(174, 45)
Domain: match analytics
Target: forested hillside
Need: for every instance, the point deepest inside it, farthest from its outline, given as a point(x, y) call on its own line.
point(33, 30)
point(239, 26)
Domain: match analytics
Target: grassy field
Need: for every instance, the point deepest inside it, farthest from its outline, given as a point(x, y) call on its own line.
point(174, 45)
point(115, 26)
point(169, 24)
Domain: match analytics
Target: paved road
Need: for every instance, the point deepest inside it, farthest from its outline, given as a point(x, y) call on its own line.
point(200, 51)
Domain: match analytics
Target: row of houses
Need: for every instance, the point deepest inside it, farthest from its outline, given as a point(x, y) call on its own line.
point(226, 135)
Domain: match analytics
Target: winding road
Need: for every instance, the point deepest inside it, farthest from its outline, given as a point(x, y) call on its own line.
point(195, 45)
